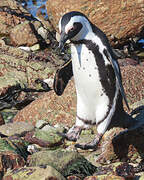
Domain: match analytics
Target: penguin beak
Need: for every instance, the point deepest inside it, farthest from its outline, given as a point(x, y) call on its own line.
point(63, 39)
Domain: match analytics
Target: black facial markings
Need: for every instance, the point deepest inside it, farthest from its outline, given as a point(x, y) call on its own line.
point(77, 26)
point(66, 18)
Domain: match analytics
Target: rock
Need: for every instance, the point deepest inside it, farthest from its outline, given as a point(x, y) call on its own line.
point(52, 108)
point(120, 169)
point(35, 47)
point(11, 14)
point(1, 120)
point(45, 126)
point(20, 70)
point(103, 177)
point(120, 145)
point(73, 178)
point(9, 160)
point(48, 138)
point(26, 34)
point(127, 22)
point(9, 157)
point(66, 162)
point(37, 173)
point(19, 145)
point(133, 82)
point(20, 128)
point(41, 123)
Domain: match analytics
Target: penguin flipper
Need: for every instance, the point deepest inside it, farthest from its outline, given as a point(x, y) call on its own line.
point(62, 76)
point(118, 76)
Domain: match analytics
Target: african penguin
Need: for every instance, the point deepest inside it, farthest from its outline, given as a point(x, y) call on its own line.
point(96, 74)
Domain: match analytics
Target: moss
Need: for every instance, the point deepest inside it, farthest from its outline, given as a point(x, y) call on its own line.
point(50, 135)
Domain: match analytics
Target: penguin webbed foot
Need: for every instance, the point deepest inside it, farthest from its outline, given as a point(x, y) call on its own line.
point(72, 134)
point(91, 145)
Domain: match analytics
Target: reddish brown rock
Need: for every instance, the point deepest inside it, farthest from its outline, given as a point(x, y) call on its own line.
point(10, 160)
point(120, 145)
point(73, 178)
point(50, 107)
point(58, 109)
point(25, 34)
point(133, 82)
point(11, 14)
point(120, 19)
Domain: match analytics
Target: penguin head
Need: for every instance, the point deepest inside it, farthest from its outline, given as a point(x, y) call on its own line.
point(73, 26)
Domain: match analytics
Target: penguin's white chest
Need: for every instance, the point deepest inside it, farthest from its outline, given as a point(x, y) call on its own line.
point(90, 93)
point(85, 71)
point(92, 101)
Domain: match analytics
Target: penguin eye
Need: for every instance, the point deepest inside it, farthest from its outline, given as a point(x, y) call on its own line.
point(72, 29)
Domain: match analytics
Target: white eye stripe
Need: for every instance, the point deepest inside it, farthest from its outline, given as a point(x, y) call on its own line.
point(60, 25)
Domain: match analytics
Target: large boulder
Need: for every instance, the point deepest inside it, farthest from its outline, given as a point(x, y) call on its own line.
point(52, 108)
point(20, 69)
point(62, 109)
point(119, 19)
point(26, 34)
point(67, 162)
point(19, 28)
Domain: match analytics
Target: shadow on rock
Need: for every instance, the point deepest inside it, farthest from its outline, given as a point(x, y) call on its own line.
point(128, 145)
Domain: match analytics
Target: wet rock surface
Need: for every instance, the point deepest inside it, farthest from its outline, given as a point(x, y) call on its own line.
point(32, 115)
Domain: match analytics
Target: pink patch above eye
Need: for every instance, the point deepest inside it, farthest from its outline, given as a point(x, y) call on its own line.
point(69, 29)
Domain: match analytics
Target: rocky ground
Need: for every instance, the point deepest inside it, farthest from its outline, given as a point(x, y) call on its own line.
point(31, 113)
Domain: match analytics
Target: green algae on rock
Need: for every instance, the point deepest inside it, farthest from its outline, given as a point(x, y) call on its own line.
point(9, 157)
point(48, 138)
point(14, 144)
point(30, 173)
point(66, 162)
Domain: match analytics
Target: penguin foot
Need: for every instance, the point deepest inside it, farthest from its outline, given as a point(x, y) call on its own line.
point(92, 145)
point(72, 134)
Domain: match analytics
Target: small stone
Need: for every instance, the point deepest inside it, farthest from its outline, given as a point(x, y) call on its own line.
point(32, 148)
point(43, 32)
point(35, 47)
point(49, 81)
